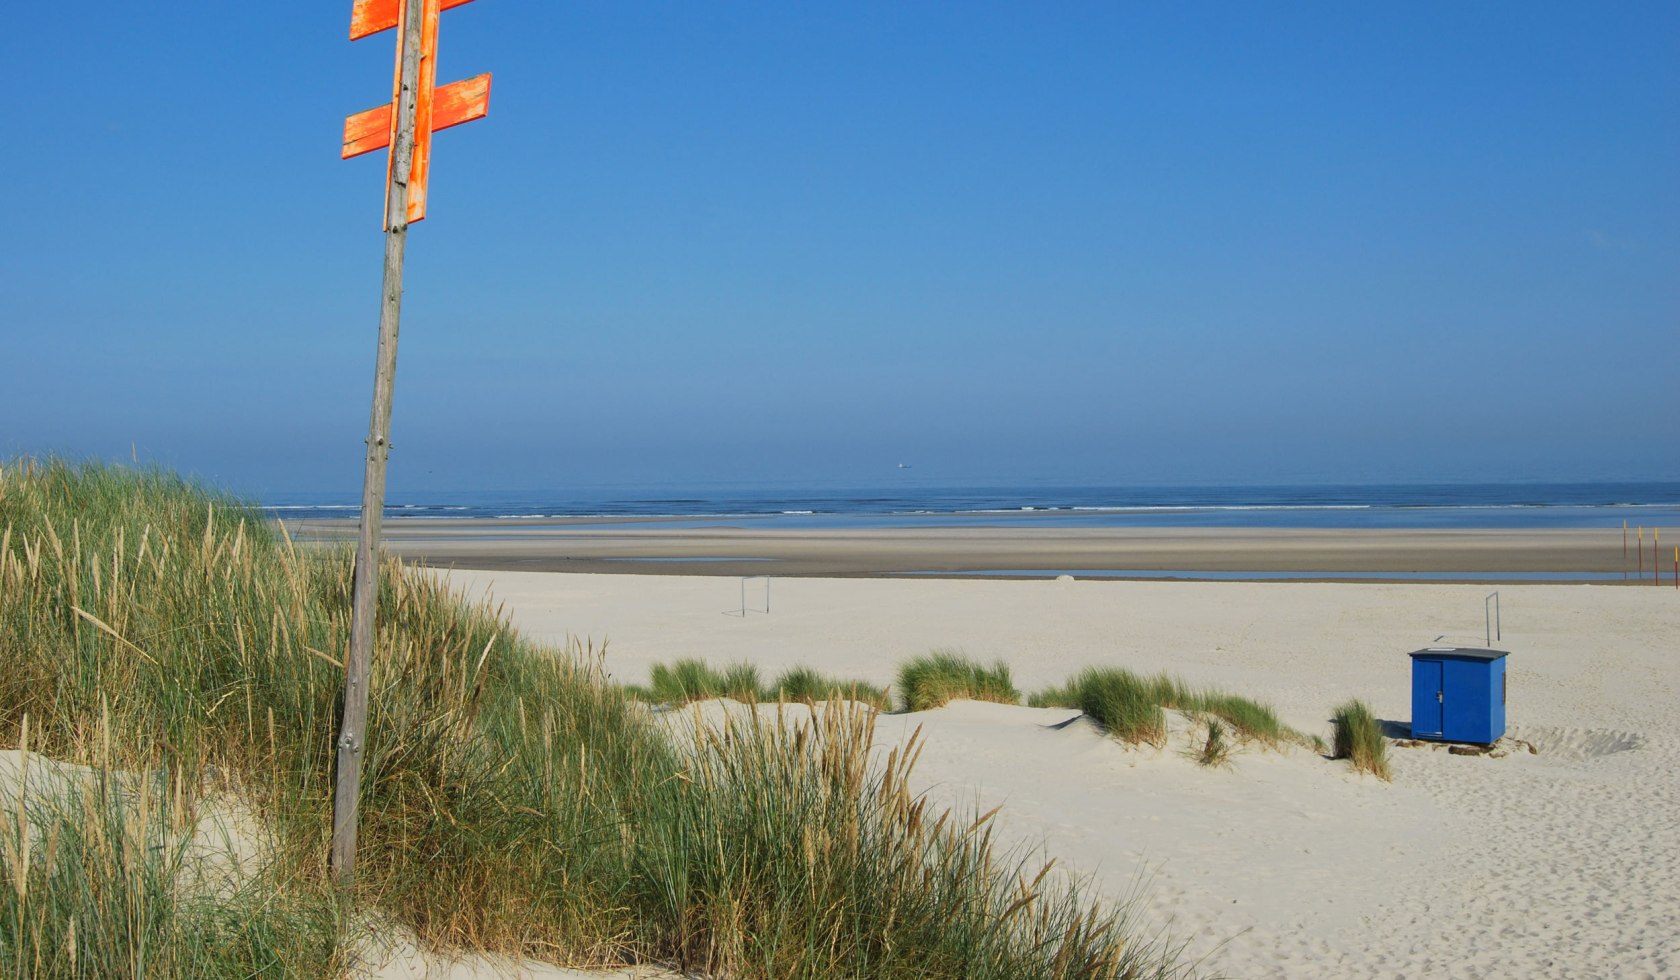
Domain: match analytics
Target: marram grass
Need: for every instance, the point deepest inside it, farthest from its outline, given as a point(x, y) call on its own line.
point(98, 878)
point(1359, 739)
point(1127, 704)
point(692, 679)
point(513, 800)
point(808, 686)
point(943, 676)
point(1216, 750)
point(1133, 707)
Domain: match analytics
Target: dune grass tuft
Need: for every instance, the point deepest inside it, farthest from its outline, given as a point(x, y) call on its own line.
point(740, 681)
point(1249, 718)
point(694, 680)
point(1125, 703)
point(515, 801)
point(1359, 739)
point(1130, 706)
point(1215, 750)
point(809, 686)
point(943, 676)
point(98, 879)
point(684, 681)
point(1065, 696)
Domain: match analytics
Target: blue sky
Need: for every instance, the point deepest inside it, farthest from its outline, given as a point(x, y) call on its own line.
point(1004, 242)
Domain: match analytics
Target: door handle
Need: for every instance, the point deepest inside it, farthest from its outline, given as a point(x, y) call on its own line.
point(1439, 699)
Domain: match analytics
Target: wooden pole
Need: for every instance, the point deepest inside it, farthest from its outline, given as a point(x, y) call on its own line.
point(352, 739)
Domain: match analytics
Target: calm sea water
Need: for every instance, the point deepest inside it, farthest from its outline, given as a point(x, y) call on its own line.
point(1481, 505)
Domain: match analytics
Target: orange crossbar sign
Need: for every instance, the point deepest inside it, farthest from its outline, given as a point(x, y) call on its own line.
point(434, 108)
point(452, 105)
point(372, 16)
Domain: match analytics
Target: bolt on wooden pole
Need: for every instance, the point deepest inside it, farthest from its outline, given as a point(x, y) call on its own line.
point(352, 739)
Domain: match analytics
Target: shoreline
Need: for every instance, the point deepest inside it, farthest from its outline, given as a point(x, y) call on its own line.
point(1481, 556)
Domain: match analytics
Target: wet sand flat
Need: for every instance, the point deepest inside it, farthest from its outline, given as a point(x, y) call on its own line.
point(650, 547)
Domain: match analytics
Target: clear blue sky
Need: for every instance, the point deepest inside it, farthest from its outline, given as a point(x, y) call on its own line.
point(1098, 243)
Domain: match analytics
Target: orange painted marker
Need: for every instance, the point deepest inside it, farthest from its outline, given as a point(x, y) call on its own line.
point(452, 104)
point(435, 108)
point(372, 16)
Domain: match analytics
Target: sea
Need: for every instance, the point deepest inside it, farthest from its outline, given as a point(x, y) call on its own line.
point(1374, 506)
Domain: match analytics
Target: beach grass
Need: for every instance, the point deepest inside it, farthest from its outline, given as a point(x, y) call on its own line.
point(1248, 717)
point(514, 800)
point(1215, 750)
point(1064, 696)
point(689, 680)
point(692, 679)
point(1132, 706)
point(1359, 739)
point(1128, 705)
point(808, 686)
point(740, 681)
point(98, 880)
point(942, 676)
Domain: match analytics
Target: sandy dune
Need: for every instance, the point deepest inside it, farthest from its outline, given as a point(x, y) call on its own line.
point(1560, 863)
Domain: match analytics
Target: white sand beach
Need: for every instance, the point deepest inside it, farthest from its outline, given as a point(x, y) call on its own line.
point(1562, 863)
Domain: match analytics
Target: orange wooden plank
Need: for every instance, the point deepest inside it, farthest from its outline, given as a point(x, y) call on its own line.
point(461, 101)
point(367, 131)
point(372, 16)
point(452, 104)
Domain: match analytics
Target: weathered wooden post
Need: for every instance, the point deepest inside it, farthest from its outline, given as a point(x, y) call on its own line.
point(417, 108)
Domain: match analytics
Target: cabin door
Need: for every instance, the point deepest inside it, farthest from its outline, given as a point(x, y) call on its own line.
point(1428, 698)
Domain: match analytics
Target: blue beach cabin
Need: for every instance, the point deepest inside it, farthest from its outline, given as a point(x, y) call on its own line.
point(1458, 694)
